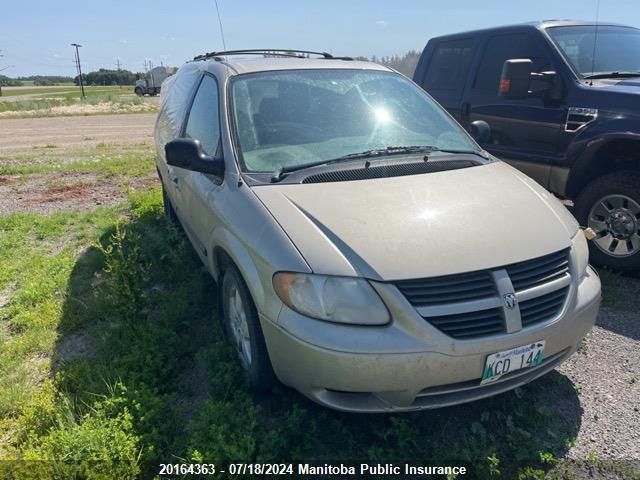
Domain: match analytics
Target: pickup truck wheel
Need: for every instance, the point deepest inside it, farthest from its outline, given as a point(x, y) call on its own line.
point(138, 91)
point(243, 329)
point(610, 205)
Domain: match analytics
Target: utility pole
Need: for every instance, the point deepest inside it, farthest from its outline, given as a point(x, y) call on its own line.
point(118, 67)
point(79, 67)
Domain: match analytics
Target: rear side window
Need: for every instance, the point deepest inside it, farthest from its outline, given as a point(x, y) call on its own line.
point(501, 48)
point(448, 68)
point(204, 119)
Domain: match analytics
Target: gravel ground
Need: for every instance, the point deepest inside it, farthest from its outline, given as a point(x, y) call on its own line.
point(606, 372)
point(63, 132)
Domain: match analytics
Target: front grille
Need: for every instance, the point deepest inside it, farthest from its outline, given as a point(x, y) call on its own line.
point(448, 289)
point(470, 305)
point(470, 325)
point(539, 271)
point(543, 307)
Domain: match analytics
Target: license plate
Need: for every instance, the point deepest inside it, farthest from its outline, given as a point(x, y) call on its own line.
point(501, 363)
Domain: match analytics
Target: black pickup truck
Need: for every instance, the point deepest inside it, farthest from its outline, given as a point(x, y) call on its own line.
point(562, 100)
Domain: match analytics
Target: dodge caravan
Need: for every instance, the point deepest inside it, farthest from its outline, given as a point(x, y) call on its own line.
point(368, 252)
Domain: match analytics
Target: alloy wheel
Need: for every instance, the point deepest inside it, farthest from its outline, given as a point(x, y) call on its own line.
point(616, 221)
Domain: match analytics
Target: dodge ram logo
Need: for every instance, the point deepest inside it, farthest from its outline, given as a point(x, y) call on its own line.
point(510, 301)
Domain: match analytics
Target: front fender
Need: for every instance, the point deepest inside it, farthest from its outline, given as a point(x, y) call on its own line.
point(256, 265)
point(583, 151)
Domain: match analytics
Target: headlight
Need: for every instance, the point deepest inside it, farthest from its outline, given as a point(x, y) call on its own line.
point(334, 299)
point(581, 253)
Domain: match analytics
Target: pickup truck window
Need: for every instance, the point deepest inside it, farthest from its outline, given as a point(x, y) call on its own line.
point(500, 48)
point(204, 119)
point(616, 49)
point(449, 65)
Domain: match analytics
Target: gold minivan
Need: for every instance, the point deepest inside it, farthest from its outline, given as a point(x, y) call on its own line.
point(368, 252)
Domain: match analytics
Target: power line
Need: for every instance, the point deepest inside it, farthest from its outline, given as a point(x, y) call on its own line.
point(79, 67)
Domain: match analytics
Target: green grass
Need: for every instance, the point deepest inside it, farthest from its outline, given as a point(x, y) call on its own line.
point(113, 360)
point(130, 160)
point(122, 100)
point(128, 284)
point(67, 91)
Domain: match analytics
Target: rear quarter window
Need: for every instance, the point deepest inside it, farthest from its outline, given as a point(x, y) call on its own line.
point(447, 69)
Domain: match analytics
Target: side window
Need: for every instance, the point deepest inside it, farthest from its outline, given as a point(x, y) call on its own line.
point(448, 68)
point(204, 119)
point(501, 48)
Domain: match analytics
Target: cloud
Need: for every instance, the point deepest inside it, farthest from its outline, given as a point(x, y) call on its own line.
point(57, 55)
point(382, 23)
point(123, 41)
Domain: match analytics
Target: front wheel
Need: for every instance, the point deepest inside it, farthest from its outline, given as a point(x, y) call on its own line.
point(242, 327)
point(138, 91)
point(610, 205)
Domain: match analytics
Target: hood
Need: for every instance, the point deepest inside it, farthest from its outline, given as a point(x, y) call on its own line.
point(625, 86)
point(421, 225)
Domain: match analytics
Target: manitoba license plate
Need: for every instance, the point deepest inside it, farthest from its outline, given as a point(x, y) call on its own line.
point(501, 363)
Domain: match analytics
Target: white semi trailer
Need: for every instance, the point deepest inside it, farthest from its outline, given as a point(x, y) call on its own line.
point(150, 84)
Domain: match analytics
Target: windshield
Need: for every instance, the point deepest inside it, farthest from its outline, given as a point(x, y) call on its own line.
point(284, 119)
point(617, 49)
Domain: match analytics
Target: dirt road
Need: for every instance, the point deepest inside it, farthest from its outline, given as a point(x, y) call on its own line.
point(26, 133)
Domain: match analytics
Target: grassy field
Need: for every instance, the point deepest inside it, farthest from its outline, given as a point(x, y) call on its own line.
point(112, 361)
point(70, 105)
point(59, 101)
point(66, 91)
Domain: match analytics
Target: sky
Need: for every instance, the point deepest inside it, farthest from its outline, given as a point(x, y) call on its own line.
point(35, 35)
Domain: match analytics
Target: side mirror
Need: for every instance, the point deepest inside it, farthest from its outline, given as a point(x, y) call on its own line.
point(515, 79)
point(480, 131)
point(187, 153)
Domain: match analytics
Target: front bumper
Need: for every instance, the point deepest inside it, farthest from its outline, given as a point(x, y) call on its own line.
point(409, 365)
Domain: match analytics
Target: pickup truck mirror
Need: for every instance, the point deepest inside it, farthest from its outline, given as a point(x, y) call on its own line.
point(187, 153)
point(480, 131)
point(516, 75)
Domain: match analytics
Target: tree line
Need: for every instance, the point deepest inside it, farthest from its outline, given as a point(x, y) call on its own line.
point(405, 64)
point(108, 77)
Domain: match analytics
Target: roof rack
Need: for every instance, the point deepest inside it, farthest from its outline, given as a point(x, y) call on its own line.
point(276, 52)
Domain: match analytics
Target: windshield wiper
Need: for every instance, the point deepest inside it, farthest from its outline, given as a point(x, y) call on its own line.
point(596, 76)
point(281, 172)
point(410, 149)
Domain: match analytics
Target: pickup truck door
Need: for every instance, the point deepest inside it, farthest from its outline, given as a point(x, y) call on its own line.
point(524, 133)
point(446, 71)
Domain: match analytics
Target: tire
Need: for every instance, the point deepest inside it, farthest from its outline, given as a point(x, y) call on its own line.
point(169, 211)
point(138, 91)
point(610, 205)
point(242, 326)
